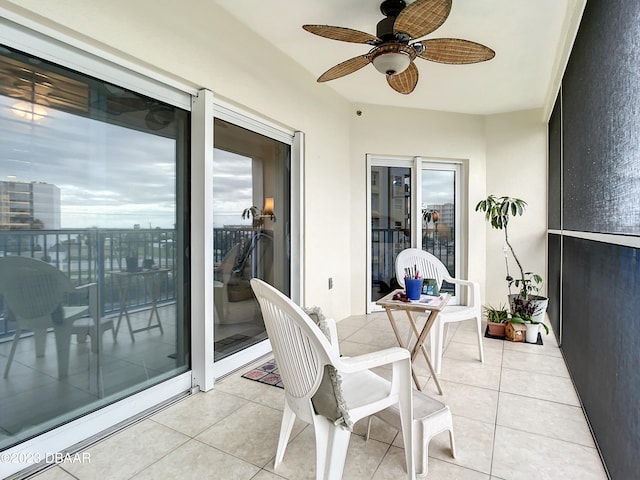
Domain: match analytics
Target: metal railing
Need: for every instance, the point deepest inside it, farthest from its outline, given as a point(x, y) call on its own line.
point(88, 255)
point(386, 243)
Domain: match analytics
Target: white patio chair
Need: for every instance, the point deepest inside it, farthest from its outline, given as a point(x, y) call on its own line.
point(326, 390)
point(430, 267)
point(34, 295)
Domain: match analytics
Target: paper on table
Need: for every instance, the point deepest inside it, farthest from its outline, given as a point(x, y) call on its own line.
point(431, 300)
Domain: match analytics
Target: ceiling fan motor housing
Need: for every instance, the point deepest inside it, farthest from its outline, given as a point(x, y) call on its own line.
point(391, 8)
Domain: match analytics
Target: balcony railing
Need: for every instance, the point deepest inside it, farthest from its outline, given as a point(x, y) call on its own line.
point(386, 243)
point(88, 255)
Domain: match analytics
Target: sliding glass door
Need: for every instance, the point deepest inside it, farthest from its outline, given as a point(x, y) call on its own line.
point(92, 244)
point(251, 221)
point(412, 202)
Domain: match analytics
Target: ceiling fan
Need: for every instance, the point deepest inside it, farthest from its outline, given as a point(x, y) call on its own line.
point(394, 45)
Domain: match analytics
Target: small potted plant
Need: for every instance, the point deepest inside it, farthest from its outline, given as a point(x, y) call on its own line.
point(525, 312)
point(496, 320)
point(253, 213)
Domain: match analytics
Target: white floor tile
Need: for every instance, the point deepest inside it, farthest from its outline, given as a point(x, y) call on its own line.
point(516, 417)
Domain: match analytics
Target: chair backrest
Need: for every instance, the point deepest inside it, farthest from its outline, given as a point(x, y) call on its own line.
point(428, 265)
point(32, 288)
point(229, 262)
point(300, 348)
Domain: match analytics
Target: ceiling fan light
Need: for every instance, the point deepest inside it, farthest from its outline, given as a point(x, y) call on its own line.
point(391, 63)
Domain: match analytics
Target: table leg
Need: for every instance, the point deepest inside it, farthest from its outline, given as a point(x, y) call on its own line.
point(153, 283)
point(401, 343)
point(419, 345)
point(124, 298)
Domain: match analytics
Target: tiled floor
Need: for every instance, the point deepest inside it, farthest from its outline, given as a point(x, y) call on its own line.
point(516, 416)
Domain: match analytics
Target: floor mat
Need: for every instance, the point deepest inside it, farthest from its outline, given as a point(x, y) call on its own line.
point(230, 343)
point(266, 373)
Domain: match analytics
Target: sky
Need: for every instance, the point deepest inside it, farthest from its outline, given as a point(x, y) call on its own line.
point(232, 188)
point(109, 176)
point(115, 177)
point(437, 187)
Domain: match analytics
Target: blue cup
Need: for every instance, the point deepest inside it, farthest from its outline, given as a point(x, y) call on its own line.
point(413, 286)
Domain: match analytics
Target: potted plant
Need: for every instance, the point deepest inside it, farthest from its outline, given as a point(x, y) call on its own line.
point(523, 315)
point(496, 320)
point(498, 211)
point(253, 213)
point(257, 217)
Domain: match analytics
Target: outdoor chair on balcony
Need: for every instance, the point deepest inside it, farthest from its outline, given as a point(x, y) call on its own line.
point(326, 390)
point(36, 296)
point(429, 266)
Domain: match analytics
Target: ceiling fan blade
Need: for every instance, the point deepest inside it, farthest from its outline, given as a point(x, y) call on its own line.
point(341, 33)
point(345, 68)
point(455, 51)
point(406, 81)
point(422, 17)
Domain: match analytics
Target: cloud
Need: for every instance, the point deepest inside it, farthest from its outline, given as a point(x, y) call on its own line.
point(108, 175)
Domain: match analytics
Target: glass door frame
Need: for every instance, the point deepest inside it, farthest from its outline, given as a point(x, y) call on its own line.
point(37, 39)
point(295, 139)
point(416, 166)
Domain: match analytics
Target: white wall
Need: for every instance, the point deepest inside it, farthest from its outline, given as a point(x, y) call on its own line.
point(503, 154)
point(207, 48)
point(411, 132)
point(517, 167)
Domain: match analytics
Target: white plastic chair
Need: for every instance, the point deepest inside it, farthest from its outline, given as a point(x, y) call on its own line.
point(302, 351)
point(429, 266)
point(34, 294)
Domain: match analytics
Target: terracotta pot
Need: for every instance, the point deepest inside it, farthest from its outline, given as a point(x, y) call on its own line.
point(496, 329)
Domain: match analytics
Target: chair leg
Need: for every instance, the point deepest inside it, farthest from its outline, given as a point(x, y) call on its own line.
point(40, 337)
point(288, 418)
point(437, 334)
point(16, 339)
point(420, 454)
point(332, 443)
point(479, 328)
point(452, 442)
point(405, 406)
point(63, 342)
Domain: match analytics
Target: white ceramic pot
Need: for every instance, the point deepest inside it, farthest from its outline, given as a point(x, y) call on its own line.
point(540, 302)
point(532, 332)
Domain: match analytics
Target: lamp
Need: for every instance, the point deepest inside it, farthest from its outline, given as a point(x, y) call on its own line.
point(29, 111)
point(392, 58)
point(267, 211)
point(391, 63)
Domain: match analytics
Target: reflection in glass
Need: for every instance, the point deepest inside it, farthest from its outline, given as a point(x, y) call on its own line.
point(91, 205)
point(439, 217)
point(251, 231)
point(390, 225)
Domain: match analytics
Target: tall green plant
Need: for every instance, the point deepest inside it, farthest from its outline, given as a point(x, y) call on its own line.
point(498, 211)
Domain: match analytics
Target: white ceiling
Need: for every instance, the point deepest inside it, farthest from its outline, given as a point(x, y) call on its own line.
point(531, 39)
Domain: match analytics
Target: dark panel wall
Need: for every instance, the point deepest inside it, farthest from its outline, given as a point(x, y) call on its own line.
point(602, 346)
point(598, 144)
point(554, 251)
point(601, 127)
point(555, 167)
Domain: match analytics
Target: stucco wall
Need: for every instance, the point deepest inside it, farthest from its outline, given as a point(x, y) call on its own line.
point(207, 48)
point(516, 166)
point(503, 154)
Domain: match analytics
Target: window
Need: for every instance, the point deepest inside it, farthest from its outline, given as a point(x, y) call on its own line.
point(93, 188)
